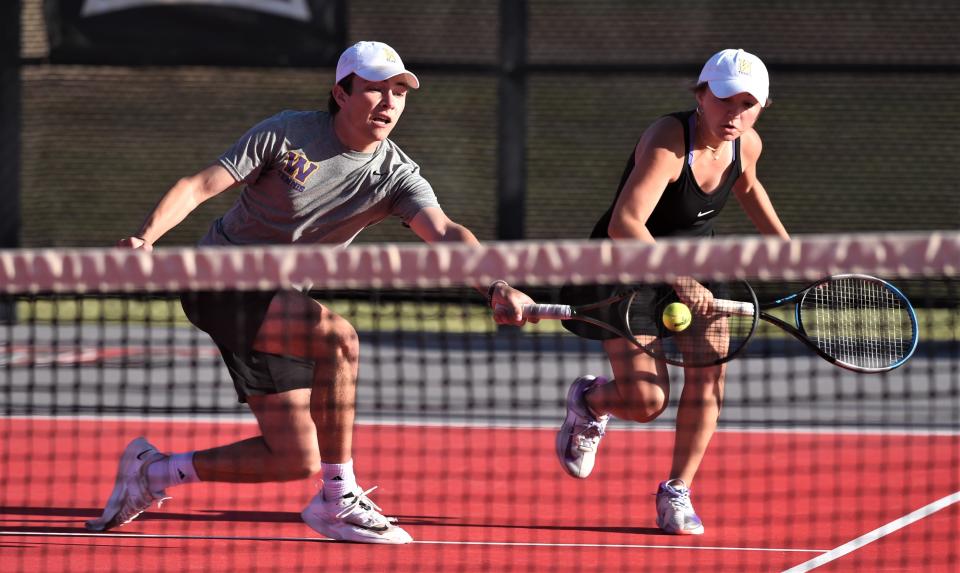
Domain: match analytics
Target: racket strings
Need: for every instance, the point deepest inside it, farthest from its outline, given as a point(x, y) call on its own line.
point(858, 321)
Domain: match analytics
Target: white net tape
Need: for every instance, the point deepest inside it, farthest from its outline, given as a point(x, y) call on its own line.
point(443, 265)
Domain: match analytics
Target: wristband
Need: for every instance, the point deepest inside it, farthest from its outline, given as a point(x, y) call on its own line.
point(493, 287)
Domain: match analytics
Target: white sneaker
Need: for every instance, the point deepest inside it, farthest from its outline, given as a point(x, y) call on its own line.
point(675, 512)
point(353, 517)
point(131, 496)
point(579, 436)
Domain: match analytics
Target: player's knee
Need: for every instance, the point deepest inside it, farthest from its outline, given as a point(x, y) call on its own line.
point(646, 407)
point(347, 343)
point(339, 341)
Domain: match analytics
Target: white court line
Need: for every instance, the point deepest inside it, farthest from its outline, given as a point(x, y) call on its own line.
point(425, 542)
point(876, 534)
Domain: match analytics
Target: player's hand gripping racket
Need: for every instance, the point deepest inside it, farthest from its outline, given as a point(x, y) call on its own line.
point(857, 322)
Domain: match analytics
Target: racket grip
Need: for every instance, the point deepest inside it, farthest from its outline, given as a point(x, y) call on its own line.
point(546, 311)
point(554, 311)
point(733, 307)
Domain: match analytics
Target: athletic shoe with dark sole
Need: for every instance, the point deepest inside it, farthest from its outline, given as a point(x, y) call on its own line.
point(353, 517)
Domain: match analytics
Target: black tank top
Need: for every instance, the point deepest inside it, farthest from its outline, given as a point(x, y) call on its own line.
point(684, 210)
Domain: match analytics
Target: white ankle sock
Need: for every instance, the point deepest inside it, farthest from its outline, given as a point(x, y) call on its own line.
point(176, 469)
point(338, 480)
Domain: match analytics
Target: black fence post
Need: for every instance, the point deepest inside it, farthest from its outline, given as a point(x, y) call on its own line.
point(9, 134)
point(512, 132)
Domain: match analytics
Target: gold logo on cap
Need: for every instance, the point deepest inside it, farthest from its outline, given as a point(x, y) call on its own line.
point(390, 55)
point(745, 67)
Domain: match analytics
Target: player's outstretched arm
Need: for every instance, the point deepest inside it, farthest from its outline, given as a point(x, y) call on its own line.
point(433, 226)
point(185, 196)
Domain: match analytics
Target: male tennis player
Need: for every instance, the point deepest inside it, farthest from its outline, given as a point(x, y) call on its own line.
point(308, 177)
point(676, 182)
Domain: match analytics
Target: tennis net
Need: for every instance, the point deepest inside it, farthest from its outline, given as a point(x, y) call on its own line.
point(812, 465)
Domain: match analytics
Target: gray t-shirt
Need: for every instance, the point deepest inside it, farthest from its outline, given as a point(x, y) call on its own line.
point(301, 185)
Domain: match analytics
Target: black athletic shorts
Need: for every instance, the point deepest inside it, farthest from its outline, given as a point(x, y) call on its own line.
point(232, 319)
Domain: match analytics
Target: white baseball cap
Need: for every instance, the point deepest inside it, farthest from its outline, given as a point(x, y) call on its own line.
point(373, 61)
point(730, 72)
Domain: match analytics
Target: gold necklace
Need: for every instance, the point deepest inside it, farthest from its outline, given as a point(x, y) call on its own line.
point(714, 151)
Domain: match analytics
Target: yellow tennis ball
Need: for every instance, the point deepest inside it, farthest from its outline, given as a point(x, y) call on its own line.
point(676, 316)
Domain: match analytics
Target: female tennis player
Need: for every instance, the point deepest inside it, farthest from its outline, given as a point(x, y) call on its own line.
point(676, 182)
point(308, 177)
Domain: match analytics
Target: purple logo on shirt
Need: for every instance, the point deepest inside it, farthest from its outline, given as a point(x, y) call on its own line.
point(297, 168)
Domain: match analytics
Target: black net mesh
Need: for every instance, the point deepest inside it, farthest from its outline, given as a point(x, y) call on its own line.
point(456, 420)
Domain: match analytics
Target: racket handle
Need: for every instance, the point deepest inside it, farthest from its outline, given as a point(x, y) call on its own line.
point(554, 311)
point(733, 307)
point(546, 311)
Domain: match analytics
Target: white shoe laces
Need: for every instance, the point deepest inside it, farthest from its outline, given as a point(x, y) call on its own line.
point(358, 503)
point(139, 501)
point(681, 501)
point(589, 438)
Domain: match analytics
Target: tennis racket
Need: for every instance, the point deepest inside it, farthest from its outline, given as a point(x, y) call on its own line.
point(858, 322)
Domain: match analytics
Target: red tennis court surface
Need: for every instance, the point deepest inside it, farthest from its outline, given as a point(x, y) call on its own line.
point(484, 499)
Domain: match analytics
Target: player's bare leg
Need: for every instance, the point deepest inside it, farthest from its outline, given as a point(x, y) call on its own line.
point(638, 392)
point(299, 326)
point(640, 387)
point(286, 449)
point(700, 401)
point(697, 417)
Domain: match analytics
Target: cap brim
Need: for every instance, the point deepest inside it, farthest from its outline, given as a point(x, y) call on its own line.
point(380, 74)
point(729, 88)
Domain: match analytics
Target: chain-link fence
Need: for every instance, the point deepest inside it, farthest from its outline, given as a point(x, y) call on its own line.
point(861, 136)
